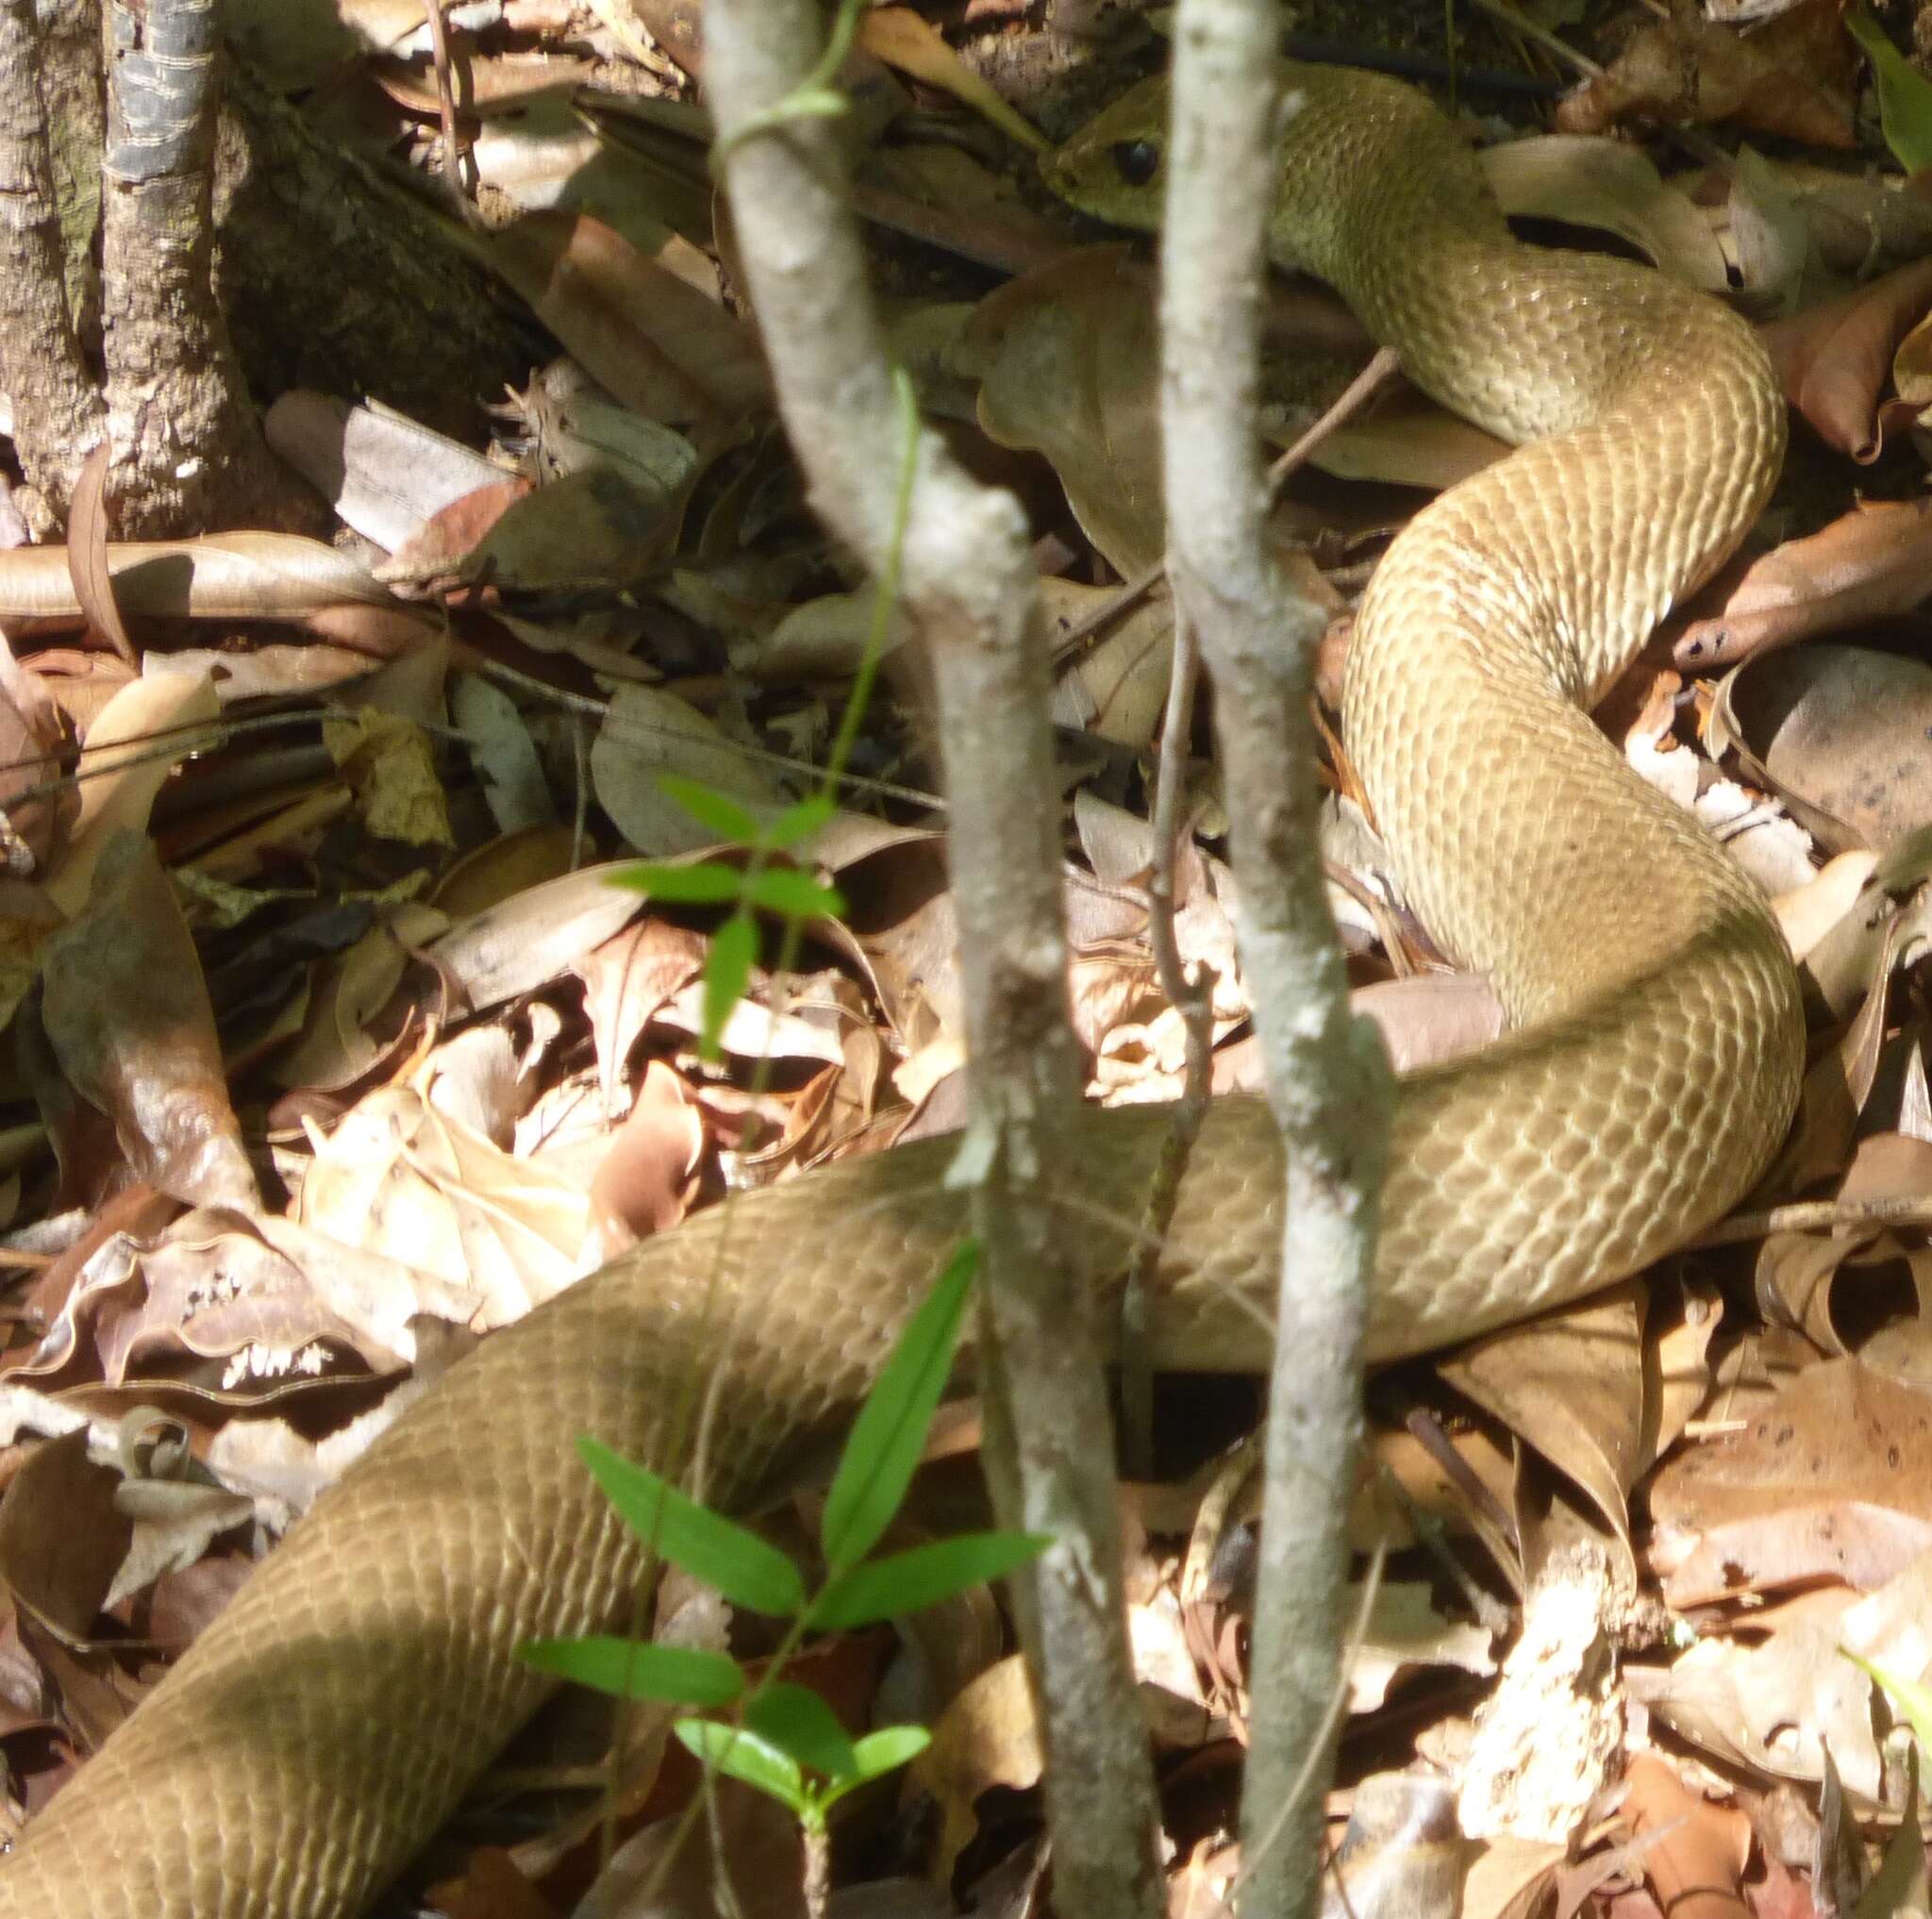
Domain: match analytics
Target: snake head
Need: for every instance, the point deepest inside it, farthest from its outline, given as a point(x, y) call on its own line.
point(1113, 167)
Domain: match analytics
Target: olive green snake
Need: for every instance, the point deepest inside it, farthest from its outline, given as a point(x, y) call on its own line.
point(336, 1711)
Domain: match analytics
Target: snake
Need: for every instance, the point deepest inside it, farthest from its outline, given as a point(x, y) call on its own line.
point(336, 1712)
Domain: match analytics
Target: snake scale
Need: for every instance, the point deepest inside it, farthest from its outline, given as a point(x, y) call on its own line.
point(338, 1709)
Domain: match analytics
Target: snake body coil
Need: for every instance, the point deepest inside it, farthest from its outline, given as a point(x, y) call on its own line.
point(336, 1711)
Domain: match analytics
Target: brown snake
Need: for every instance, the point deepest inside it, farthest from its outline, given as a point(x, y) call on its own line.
point(326, 1721)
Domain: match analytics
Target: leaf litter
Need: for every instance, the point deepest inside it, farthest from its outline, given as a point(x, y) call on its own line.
point(347, 1050)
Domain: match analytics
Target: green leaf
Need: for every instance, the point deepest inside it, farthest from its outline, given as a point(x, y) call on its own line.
point(706, 1544)
point(708, 883)
point(1905, 96)
point(798, 1722)
point(797, 896)
point(734, 949)
point(888, 1748)
point(634, 1669)
point(799, 822)
point(1912, 1697)
point(877, 1752)
point(719, 812)
point(912, 1580)
point(888, 1435)
point(744, 1756)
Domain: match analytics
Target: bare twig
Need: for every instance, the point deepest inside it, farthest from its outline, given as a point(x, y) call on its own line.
point(1382, 368)
point(969, 590)
point(1328, 1079)
point(1192, 998)
point(446, 109)
point(1876, 1214)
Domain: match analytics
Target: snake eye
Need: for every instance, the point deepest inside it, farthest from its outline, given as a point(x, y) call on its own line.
point(1136, 161)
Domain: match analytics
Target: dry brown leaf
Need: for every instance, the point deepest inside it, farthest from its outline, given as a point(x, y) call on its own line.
point(175, 1522)
point(1509, 1878)
point(643, 1183)
point(1697, 1851)
point(1853, 962)
point(390, 767)
point(1612, 186)
point(492, 1886)
point(533, 934)
point(338, 1039)
point(126, 1011)
point(1405, 439)
point(1407, 1630)
point(1403, 1855)
point(1837, 733)
point(1068, 363)
point(221, 577)
point(442, 544)
point(826, 638)
point(593, 527)
point(284, 1471)
point(640, 330)
point(399, 1178)
point(24, 1703)
point(27, 920)
point(1797, 1271)
point(986, 1736)
point(1774, 1705)
point(753, 1030)
point(261, 1297)
point(1834, 359)
point(141, 735)
point(1832, 1479)
point(647, 732)
point(62, 1538)
point(87, 552)
point(1573, 1385)
point(95, 1689)
point(1808, 914)
point(674, 1856)
point(1865, 566)
point(32, 731)
point(502, 868)
point(1794, 78)
point(571, 423)
point(1430, 1017)
point(491, 87)
point(903, 39)
point(677, 26)
point(383, 474)
point(627, 980)
point(1772, 241)
point(1117, 689)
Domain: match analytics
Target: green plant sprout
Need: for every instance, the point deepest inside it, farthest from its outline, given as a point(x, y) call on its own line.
point(1912, 1697)
point(785, 1741)
point(805, 1722)
point(1905, 96)
point(758, 886)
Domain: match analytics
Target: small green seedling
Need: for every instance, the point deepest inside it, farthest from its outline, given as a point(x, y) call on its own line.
point(801, 1722)
point(785, 1733)
point(1912, 1697)
point(1905, 96)
point(758, 886)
